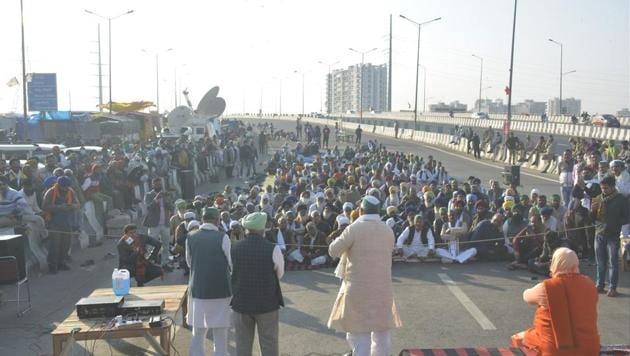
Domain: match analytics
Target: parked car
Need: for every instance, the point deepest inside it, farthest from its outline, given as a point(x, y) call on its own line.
point(479, 115)
point(605, 120)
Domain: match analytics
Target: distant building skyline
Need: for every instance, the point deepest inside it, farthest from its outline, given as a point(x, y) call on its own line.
point(343, 88)
point(454, 106)
point(570, 106)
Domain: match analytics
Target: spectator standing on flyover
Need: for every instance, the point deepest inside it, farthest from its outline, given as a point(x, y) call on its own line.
point(59, 204)
point(365, 308)
point(511, 143)
point(396, 128)
point(565, 173)
point(208, 256)
point(158, 204)
point(326, 133)
point(476, 145)
point(358, 133)
point(257, 298)
point(610, 211)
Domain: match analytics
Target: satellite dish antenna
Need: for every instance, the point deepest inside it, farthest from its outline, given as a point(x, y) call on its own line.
point(179, 115)
point(211, 105)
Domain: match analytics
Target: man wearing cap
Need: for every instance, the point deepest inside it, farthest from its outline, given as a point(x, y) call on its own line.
point(208, 256)
point(365, 307)
point(258, 267)
point(178, 217)
point(158, 204)
point(59, 206)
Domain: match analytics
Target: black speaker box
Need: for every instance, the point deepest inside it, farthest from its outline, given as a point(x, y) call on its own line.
point(13, 245)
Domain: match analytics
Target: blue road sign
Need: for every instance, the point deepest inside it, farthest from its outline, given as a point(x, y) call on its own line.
point(42, 92)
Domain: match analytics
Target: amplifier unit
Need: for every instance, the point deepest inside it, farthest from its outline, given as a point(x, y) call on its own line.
point(142, 307)
point(99, 307)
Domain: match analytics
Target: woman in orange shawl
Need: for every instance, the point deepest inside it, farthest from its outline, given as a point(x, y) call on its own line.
point(566, 319)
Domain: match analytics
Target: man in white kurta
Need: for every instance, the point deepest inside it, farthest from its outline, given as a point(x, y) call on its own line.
point(416, 233)
point(365, 307)
point(209, 259)
point(452, 231)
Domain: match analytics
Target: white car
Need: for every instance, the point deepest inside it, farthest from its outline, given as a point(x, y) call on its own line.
point(479, 115)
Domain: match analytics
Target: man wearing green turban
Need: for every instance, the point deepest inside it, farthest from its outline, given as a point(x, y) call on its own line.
point(258, 267)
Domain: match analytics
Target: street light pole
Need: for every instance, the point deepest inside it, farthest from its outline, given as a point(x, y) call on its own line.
point(509, 108)
point(24, 97)
point(100, 72)
point(298, 72)
point(157, 76)
point(419, 24)
point(480, 80)
point(561, 74)
point(109, 30)
point(362, 53)
point(424, 89)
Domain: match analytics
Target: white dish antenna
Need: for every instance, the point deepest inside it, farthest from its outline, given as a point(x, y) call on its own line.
point(211, 105)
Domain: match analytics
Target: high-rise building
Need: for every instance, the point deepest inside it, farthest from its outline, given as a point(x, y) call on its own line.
point(342, 88)
point(529, 107)
point(490, 106)
point(570, 106)
point(454, 106)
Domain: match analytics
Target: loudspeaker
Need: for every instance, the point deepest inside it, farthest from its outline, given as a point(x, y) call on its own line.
point(512, 175)
point(13, 245)
point(187, 182)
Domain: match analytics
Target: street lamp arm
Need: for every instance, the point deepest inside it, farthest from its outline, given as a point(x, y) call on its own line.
point(123, 14)
point(95, 14)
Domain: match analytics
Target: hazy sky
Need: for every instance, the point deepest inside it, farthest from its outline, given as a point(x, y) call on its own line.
point(248, 46)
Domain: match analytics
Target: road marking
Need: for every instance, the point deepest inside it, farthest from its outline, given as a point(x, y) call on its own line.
point(477, 314)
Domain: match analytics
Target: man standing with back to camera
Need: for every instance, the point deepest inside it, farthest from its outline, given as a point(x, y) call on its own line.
point(365, 307)
point(257, 298)
point(209, 259)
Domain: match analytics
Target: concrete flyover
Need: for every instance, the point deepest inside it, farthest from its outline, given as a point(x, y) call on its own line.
point(443, 124)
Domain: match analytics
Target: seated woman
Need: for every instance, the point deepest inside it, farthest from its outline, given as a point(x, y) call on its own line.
point(566, 318)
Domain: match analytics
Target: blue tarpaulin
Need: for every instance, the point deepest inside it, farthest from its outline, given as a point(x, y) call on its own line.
point(59, 116)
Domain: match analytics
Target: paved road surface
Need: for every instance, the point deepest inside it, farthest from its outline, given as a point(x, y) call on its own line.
point(482, 306)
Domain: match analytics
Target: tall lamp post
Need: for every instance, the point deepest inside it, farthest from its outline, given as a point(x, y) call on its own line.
point(24, 97)
point(509, 88)
point(480, 80)
point(561, 74)
point(157, 76)
point(302, 73)
point(109, 24)
point(329, 96)
point(419, 24)
point(362, 53)
point(424, 88)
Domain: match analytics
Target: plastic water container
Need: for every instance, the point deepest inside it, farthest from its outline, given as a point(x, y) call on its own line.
point(120, 282)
